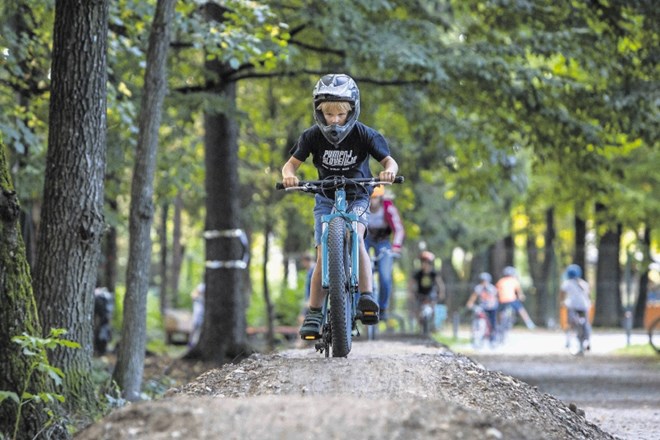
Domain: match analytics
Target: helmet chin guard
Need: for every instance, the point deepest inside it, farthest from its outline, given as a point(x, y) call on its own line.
point(336, 87)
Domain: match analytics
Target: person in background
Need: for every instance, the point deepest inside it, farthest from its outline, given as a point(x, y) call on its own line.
point(484, 295)
point(426, 285)
point(575, 294)
point(197, 296)
point(104, 305)
point(385, 236)
point(510, 294)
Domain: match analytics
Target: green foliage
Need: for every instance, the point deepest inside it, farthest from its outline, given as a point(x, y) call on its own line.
point(34, 349)
point(488, 106)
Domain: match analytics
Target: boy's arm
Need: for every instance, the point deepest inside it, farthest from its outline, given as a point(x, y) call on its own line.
point(289, 169)
point(390, 168)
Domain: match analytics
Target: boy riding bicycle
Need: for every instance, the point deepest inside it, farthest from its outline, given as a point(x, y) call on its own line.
point(339, 146)
point(484, 295)
point(575, 295)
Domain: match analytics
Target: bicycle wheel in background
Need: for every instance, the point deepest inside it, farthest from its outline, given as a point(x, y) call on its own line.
point(341, 316)
point(505, 324)
point(479, 329)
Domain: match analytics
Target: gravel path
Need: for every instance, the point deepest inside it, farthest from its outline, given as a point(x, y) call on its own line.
point(396, 389)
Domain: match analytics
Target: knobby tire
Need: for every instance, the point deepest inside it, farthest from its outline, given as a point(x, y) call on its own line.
point(340, 307)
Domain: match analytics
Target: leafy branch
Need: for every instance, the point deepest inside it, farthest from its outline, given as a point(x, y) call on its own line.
point(35, 348)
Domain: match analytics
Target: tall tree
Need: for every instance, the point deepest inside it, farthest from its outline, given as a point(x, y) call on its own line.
point(72, 215)
point(130, 357)
point(223, 334)
point(608, 271)
point(18, 315)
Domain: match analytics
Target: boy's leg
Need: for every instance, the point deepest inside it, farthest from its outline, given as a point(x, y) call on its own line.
point(367, 305)
point(311, 326)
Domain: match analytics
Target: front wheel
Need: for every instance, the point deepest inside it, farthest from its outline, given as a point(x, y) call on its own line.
point(341, 316)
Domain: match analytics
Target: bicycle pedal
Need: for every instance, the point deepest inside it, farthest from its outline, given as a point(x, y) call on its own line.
point(310, 337)
point(369, 317)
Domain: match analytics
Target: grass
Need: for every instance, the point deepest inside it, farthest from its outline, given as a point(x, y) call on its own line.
point(637, 350)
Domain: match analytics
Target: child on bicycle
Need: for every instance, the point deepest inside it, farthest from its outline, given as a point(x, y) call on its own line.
point(484, 295)
point(426, 285)
point(510, 295)
point(340, 145)
point(575, 295)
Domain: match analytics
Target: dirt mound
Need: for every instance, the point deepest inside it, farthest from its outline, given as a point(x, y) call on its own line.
point(384, 389)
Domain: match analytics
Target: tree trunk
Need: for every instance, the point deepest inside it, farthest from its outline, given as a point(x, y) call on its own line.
point(107, 276)
point(72, 215)
point(130, 356)
point(579, 256)
point(608, 278)
point(498, 258)
point(542, 270)
point(223, 334)
point(270, 311)
point(164, 266)
point(177, 251)
point(18, 315)
point(456, 295)
point(640, 305)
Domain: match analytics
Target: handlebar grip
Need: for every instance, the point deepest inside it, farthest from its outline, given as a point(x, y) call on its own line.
point(279, 185)
point(399, 179)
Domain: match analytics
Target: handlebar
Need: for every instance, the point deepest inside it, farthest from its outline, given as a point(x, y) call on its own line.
point(335, 182)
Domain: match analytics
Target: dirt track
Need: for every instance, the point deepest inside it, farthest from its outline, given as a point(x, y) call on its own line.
point(384, 389)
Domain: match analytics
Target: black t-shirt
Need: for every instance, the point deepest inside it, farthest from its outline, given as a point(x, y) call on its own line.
point(350, 158)
point(425, 282)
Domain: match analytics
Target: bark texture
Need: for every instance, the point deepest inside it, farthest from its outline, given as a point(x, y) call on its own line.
point(130, 356)
point(18, 315)
point(72, 216)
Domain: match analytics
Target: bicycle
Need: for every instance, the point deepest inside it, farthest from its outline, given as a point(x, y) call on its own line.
point(480, 327)
point(576, 335)
point(340, 262)
point(505, 323)
point(425, 312)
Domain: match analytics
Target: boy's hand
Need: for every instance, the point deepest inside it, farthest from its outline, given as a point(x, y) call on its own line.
point(386, 176)
point(288, 182)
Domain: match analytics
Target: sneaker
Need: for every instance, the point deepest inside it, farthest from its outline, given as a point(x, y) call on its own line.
point(311, 326)
point(368, 309)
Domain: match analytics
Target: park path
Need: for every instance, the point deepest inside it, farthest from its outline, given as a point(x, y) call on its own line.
point(619, 393)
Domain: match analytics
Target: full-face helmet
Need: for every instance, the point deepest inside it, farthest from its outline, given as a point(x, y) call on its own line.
point(573, 271)
point(336, 87)
point(485, 276)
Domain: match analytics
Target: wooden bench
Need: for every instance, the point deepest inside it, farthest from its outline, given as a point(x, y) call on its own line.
point(290, 333)
point(178, 326)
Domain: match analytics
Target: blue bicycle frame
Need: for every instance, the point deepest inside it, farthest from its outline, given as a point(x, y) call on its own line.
point(339, 210)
